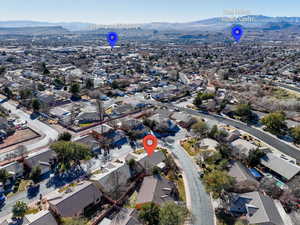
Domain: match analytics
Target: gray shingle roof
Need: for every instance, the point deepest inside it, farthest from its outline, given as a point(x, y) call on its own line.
point(126, 217)
point(280, 166)
point(69, 204)
point(241, 146)
point(42, 217)
point(265, 210)
point(240, 172)
point(155, 189)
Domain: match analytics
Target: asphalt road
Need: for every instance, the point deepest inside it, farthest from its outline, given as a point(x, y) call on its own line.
point(201, 205)
point(265, 137)
point(49, 134)
point(292, 88)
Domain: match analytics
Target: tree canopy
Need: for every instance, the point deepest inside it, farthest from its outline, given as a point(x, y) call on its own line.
point(35, 174)
point(217, 181)
point(149, 214)
point(75, 89)
point(4, 176)
point(244, 112)
point(254, 157)
point(295, 133)
point(172, 214)
point(224, 150)
point(36, 105)
point(200, 128)
point(275, 123)
point(65, 136)
point(217, 134)
point(19, 209)
point(202, 96)
point(7, 92)
point(70, 153)
point(89, 83)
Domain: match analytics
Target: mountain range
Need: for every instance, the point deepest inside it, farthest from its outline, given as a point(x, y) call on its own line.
point(217, 23)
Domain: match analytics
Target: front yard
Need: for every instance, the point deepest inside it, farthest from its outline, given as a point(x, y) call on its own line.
point(189, 146)
point(181, 190)
point(224, 219)
point(19, 187)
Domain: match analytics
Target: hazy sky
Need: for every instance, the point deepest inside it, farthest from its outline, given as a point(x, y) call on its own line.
point(138, 11)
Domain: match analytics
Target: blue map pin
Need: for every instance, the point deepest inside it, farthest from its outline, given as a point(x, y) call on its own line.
point(112, 39)
point(237, 32)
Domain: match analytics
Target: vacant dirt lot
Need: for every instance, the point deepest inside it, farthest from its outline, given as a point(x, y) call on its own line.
point(19, 137)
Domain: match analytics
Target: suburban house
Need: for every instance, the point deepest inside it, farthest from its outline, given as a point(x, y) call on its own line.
point(89, 141)
point(184, 120)
point(241, 148)
point(123, 109)
point(59, 112)
point(281, 168)
point(117, 175)
point(135, 126)
point(112, 177)
point(42, 217)
point(163, 126)
point(233, 135)
point(124, 217)
point(100, 130)
point(260, 209)
point(88, 117)
point(114, 138)
point(15, 169)
point(208, 146)
point(41, 159)
point(117, 137)
point(6, 129)
point(156, 189)
point(240, 172)
point(51, 100)
point(148, 162)
point(75, 200)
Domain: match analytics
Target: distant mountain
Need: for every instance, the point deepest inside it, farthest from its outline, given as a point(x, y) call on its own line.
point(71, 26)
point(33, 30)
point(217, 23)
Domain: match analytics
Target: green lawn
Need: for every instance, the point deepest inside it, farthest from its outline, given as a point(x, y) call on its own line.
point(32, 211)
point(181, 190)
point(189, 146)
point(20, 188)
point(283, 94)
point(85, 124)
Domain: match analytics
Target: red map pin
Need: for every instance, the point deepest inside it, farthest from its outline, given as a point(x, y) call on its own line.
point(150, 144)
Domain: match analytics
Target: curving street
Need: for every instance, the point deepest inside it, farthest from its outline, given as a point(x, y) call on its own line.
point(292, 88)
point(201, 205)
point(265, 137)
point(48, 133)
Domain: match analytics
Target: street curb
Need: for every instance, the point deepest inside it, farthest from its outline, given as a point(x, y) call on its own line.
point(185, 182)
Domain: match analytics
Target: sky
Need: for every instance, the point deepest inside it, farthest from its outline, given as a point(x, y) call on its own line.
point(138, 11)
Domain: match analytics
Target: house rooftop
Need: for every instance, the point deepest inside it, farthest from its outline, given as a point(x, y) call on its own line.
point(261, 209)
point(75, 198)
point(280, 166)
point(42, 217)
point(155, 189)
point(240, 172)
